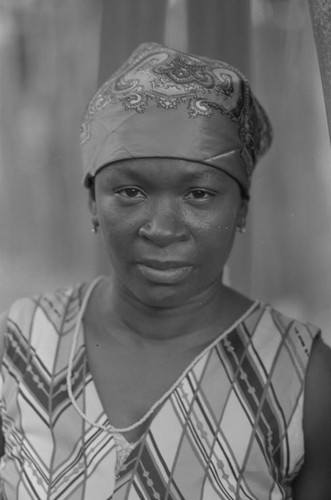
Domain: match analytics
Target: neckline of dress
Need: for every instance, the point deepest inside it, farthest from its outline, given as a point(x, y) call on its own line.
point(119, 430)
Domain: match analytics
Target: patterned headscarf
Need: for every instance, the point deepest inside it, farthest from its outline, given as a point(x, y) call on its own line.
point(166, 103)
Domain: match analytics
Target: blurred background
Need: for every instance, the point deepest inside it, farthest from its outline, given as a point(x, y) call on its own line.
point(53, 56)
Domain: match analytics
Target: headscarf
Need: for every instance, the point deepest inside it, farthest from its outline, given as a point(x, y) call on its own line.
point(166, 103)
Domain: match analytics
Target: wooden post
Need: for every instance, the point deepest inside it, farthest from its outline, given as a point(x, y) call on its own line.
point(320, 11)
point(126, 24)
point(221, 29)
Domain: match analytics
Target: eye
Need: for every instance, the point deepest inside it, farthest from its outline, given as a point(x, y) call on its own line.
point(130, 192)
point(199, 194)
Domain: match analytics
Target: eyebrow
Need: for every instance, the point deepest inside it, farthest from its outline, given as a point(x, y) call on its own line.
point(135, 174)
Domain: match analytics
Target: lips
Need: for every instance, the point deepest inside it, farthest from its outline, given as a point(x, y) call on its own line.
point(164, 264)
point(166, 272)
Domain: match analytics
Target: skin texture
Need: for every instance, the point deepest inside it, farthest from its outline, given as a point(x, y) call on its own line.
point(167, 210)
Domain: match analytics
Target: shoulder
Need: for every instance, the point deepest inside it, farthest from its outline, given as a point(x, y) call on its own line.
point(39, 309)
point(310, 358)
point(270, 327)
point(52, 304)
point(286, 323)
point(304, 362)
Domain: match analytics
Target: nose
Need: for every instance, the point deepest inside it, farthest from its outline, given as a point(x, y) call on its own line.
point(165, 224)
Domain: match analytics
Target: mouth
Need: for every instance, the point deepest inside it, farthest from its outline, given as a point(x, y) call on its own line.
point(166, 272)
point(164, 264)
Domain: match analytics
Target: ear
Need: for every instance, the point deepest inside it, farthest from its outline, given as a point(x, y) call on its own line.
point(93, 209)
point(91, 201)
point(243, 209)
point(242, 214)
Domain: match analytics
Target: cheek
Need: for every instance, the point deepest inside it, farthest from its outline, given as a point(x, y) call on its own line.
point(115, 230)
point(221, 225)
point(117, 235)
point(228, 222)
point(220, 240)
point(112, 220)
point(217, 239)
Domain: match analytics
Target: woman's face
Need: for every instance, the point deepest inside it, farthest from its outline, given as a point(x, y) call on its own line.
point(168, 227)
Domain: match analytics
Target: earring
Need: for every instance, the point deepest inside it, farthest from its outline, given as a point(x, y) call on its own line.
point(95, 226)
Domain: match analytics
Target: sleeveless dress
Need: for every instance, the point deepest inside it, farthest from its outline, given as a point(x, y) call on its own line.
point(230, 429)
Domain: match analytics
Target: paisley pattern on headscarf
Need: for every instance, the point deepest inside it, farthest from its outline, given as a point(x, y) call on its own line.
point(127, 119)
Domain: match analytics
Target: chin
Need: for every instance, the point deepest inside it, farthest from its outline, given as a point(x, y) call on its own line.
point(162, 297)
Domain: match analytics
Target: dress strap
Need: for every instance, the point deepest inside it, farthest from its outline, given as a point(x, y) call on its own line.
point(80, 315)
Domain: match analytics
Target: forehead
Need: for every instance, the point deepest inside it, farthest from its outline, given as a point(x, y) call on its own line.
point(164, 169)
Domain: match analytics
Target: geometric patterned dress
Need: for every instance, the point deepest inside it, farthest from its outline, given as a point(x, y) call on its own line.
point(231, 429)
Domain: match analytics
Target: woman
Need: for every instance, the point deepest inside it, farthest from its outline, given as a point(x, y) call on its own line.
point(159, 381)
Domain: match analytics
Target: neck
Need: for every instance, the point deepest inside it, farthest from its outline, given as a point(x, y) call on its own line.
point(215, 308)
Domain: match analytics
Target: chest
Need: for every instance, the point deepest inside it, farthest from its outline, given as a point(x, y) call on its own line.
point(132, 384)
point(211, 437)
point(203, 440)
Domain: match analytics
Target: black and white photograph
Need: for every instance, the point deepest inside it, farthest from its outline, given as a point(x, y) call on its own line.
point(165, 250)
